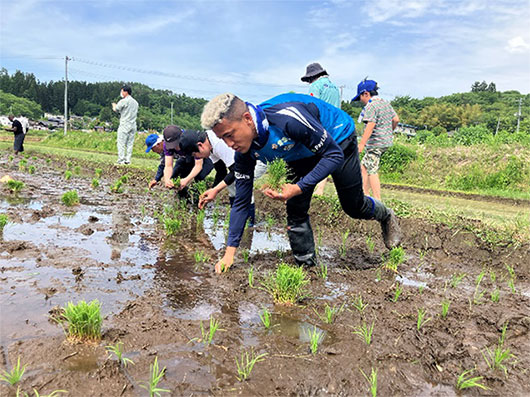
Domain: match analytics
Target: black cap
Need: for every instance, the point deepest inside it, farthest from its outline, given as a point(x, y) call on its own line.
point(313, 70)
point(190, 140)
point(172, 135)
point(127, 87)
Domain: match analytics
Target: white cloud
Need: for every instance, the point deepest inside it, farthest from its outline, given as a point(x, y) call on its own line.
point(517, 45)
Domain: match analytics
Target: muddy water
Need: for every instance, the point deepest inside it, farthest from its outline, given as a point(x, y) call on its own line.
point(154, 298)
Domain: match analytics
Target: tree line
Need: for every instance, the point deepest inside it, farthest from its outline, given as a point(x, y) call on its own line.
point(482, 106)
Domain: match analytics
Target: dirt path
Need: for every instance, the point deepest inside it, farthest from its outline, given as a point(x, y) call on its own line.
point(154, 296)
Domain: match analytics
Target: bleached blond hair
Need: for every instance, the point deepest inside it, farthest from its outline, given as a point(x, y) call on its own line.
point(225, 106)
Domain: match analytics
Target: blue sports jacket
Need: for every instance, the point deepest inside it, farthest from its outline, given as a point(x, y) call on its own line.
point(292, 127)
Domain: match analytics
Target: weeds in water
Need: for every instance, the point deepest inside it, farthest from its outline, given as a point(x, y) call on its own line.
point(372, 379)
point(67, 175)
point(3, 221)
point(364, 331)
point(287, 284)
point(397, 292)
point(265, 318)
point(396, 257)
point(70, 198)
point(31, 169)
point(207, 335)
point(465, 382)
point(276, 174)
point(456, 279)
point(13, 377)
point(245, 366)
point(359, 304)
point(499, 357)
point(15, 186)
point(329, 313)
point(445, 307)
point(315, 337)
point(156, 377)
point(98, 172)
point(250, 272)
point(171, 226)
point(422, 320)
point(77, 170)
point(95, 183)
point(370, 244)
point(117, 350)
point(344, 238)
point(323, 272)
point(83, 320)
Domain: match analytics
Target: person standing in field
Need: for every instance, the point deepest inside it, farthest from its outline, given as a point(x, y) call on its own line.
point(127, 107)
point(18, 131)
point(315, 139)
point(320, 86)
point(380, 121)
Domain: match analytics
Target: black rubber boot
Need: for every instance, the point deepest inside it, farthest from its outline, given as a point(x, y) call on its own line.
point(389, 224)
point(302, 244)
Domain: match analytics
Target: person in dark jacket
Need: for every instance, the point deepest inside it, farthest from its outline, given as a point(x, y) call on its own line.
point(316, 139)
point(18, 131)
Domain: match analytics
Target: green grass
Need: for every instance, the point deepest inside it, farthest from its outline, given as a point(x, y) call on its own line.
point(246, 364)
point(287, 284)
point(315, 338)
point(70, 198)
point(4, 220)
point(117, 349)
point(15, 186)
point(364, 331)
point(13, 377)
point(83, 320)
point(276, 176)
point(156, 376)
point(465, 381)
point(372, 380)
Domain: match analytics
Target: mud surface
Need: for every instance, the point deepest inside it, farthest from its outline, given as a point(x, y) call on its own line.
point(154, 296)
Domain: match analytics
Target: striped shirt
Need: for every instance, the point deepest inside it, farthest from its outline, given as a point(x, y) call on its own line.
point(380, 112)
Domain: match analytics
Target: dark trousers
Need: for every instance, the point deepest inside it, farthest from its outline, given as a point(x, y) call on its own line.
point(18, 145)
point(348, 182)
point(184, 165)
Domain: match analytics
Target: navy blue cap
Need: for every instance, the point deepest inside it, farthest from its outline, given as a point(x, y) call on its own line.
point(365, 86)
point(151, 141)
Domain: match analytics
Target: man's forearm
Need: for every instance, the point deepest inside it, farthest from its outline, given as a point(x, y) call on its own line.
point(367, 133)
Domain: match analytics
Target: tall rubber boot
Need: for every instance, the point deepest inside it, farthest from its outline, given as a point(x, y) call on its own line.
point(389, 224)
point(302, 243)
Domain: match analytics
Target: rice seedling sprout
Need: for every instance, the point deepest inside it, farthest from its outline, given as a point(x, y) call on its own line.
point(422, 320)
point(465, 381)
point(397, 292)
point(117, 350)
point(265, 318)
point(95, 182)
point(15, 186)
point(3, 221)
point(344, 238)
point(359, 304)
point(372, 380)
point(445, 307)
point(330, 312)
point(246, 364)
point(315, 337)
point(13, 377)
point(250, 272)
point(67, 175)
point(98, 172)
point(287, 284)
point(364, 331)
point(83, 320)
point(70, 198)
point(499, 357)
point(155, 378)
point(276, 174)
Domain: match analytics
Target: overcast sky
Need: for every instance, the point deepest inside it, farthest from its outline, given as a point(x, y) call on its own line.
point(258, 49)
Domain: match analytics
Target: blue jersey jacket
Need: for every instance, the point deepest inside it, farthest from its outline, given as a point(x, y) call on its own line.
point(292, 127)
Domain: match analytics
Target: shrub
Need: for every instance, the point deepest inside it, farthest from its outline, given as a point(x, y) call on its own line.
point(287, 284)
point(70, 198)
point(468, 136)
point(83, 320)
point(396, 158)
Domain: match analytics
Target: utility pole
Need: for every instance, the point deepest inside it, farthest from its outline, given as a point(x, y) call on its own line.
point(519, 115)
point(66, 59)
point(171, 113)
point(498, 124)
point(341, 88)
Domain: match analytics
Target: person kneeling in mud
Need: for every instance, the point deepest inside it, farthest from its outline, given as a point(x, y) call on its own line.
point(316, 139)
point(207, 145)
point(186, 167)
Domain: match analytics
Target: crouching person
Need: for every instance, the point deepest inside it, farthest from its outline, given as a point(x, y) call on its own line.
point(316, 140)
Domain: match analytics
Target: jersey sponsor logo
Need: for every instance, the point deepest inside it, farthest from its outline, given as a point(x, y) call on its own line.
point(321, 143)
point(239, 175)
point(293, 112)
